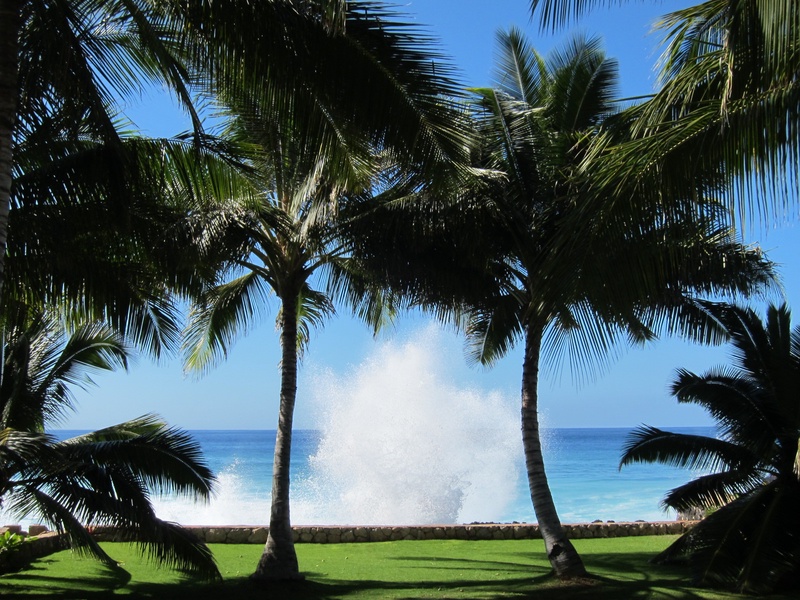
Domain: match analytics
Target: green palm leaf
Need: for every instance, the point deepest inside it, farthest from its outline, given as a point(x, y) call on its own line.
point(214, 324)
point(101, 478)
point(42, 364)
point(713, 490)
point(694, 452)
point(166, 460)
point(491, 334)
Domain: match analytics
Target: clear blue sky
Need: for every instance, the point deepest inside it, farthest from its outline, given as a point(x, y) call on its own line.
point(243, 392)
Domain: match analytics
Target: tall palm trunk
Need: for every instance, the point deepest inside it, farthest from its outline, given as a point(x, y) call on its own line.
point(279, 560)
point(564, 559)
point(10, 24)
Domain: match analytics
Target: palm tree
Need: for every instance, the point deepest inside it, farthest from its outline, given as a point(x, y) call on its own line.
point(485, 256)
point(310, 150)
point(729, 98)
point(751, 469)
point(105, 477)
point(536, 127)
point(279, 246)
point(286, 244)
point(275, 247)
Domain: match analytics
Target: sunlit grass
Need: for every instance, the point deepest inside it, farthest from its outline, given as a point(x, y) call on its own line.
point(426, 569)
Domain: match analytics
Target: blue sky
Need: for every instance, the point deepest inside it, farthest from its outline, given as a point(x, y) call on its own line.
point(243, 392)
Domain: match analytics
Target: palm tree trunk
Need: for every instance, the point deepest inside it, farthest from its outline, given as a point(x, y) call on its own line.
point(10, 24)
point(279, 560)
point(564, 559)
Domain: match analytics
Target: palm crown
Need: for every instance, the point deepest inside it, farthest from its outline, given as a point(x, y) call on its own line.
point(752, 469)
point(490, 255)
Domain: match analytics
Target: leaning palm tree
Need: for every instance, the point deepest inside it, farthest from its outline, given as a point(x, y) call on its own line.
point(485, 256)
point(105, 477)
point(751, 481)
point(535, 128)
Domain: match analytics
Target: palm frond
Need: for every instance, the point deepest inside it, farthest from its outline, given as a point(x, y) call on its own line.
point(349, 283)
point(491, 334)
point(714, 490)
point(44, 360)
point(736, 402)
point(173, 546)
point(313, 308)
point(750, 541)
point(587, 341)
point(122, 211)
point(584, 84)
point(223, 311)
point(696, 452)
point(277, 61)
point(520, 73)
point(62, 519)
point(105, 478)
point(166, 459)
point(559, 13)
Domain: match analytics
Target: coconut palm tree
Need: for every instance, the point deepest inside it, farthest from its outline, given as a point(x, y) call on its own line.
point(274, 247)
point(309, 152)
point(277, 247)
point(287, 245)
point(751, 469)
point(105, 477)
point(535, 127)
point(485, 257)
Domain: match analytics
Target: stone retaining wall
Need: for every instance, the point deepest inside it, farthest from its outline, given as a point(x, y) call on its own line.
point(345, 534)
point(43, 544)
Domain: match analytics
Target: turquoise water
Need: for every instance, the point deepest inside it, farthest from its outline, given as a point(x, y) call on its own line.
point(331, 487)
point(394, 481)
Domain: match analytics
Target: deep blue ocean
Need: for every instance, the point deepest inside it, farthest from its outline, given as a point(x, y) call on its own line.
point(360, 478)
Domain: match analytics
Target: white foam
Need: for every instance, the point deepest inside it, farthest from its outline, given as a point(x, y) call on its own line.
point(234, 503)
point(403, 444)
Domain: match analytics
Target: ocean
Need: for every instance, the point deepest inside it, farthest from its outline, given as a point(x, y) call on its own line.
point(376, 477)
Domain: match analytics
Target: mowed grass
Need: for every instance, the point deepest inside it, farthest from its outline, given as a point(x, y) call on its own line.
point(427, 569)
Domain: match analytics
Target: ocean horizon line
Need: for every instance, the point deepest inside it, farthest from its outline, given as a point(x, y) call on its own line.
point(296, 429)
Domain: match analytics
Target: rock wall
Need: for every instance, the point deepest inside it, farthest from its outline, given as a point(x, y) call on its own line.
point(36, 547)
point(347, 534)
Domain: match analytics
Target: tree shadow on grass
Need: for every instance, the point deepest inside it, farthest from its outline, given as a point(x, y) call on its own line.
point(331, 589)
point(618, 576)
point(472, 563)
point(38, 578)
point(542, 587)
point(613, 576)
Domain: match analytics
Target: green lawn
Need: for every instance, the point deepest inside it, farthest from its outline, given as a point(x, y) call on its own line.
point(429, 569)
